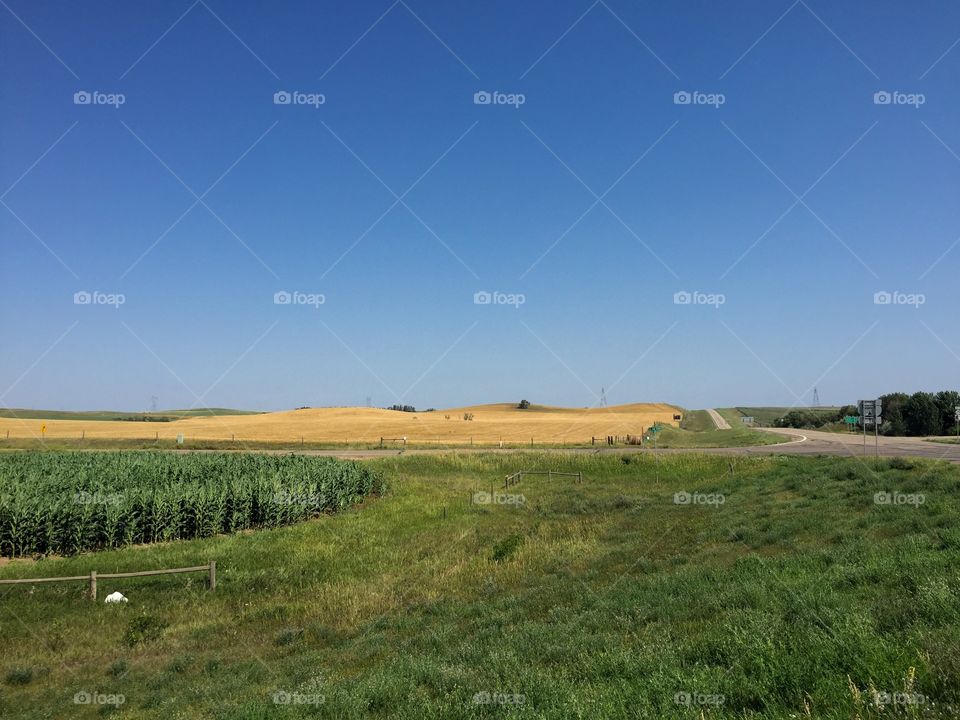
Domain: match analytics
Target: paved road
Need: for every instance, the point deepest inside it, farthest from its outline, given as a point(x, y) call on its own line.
point(803, 442)
point(815, 442)
point(718, 420)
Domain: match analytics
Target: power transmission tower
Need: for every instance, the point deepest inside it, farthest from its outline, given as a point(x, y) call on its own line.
point(603, 397)
point(816, 398)
point(153, 403)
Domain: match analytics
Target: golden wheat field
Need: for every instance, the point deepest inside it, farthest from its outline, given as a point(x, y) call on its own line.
point(489, 425)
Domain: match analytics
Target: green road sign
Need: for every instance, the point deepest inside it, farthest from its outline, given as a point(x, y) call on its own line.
point(851, 419)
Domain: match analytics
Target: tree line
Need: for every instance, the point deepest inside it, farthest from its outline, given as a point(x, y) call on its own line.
point(919, 414)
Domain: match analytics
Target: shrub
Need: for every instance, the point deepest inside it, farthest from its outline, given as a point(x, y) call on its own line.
point(144, 628)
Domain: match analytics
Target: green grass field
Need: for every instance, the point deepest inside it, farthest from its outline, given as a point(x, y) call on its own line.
point(774, 588)
point(697, 421)
point(700, 432)
point(765, 416)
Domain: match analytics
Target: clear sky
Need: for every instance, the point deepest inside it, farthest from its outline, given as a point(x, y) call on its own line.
point(587, 189)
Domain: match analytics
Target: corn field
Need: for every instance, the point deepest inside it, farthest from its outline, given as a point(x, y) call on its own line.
point(64, 503)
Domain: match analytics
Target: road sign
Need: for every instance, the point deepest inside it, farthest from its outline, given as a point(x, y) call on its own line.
point(747, 419)
point(851, 419)
point(956, 413)
point(870, 412)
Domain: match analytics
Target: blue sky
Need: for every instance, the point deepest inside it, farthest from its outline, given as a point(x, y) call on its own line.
point(597, 200)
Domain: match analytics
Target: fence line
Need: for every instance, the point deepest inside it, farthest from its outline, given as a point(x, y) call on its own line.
point(518, 476)
point(210, 569)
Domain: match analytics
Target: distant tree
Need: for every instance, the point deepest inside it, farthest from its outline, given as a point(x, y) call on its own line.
point(921, 414)
point(524, 404)
point(947, 402)
point(892, 407)
point(403, 408)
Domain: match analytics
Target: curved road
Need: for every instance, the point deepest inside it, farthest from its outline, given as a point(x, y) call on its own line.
point(802, 442)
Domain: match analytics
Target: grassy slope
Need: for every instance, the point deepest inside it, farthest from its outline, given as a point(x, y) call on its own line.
point(735, 437)
point(606, 601)
point(765, 416)
point(698, 431)
point(697, 421)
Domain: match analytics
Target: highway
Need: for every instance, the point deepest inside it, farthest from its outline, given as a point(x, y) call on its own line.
point(802, 442)
point(718, 419)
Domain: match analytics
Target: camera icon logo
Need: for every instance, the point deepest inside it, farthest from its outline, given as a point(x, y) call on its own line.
point(482, 97)
point(282, 297)
point(882, 297)
point(82, 297)
point(282, 97)
point(682, 97)
point(681, 498)
point(282, 697)
point(482, 497)
point(882, 97)
point(83, 698)
point(82, 97)
point(682, 298)
point(482, 297)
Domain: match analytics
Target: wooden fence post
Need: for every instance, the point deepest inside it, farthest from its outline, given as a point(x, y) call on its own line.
point(93, 584)
point(212, 582)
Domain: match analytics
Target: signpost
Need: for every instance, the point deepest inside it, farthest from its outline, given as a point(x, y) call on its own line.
point(956, 417)
point(870, 412)
point(851, 420)
point(747, 419)
point(655, 430)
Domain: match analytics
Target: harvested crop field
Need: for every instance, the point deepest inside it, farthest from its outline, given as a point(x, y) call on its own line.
point(487, 424)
